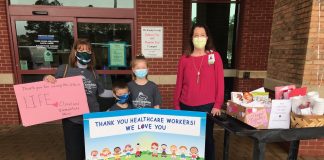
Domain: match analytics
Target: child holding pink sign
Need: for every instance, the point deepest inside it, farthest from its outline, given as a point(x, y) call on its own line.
point(81, 62)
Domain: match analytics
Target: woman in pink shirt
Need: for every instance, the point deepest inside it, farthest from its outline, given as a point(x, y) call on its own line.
point(200, 81)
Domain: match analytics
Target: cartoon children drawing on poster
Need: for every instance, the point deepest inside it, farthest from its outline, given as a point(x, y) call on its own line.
point(154, 147)
point(128, 150)
point(163, 148)
point(173, 150)
point(138, 150)
point(117, 153)
point(105, 153)
point(94, 154)
point(183, 151)
point(194, 153)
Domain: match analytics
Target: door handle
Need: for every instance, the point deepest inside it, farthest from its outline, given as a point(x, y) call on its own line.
point(40, 13)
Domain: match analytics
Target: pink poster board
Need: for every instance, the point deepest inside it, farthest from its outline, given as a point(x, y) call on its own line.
point(41, 102)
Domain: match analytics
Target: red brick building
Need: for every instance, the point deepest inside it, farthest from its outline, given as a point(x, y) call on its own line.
point(262, 43)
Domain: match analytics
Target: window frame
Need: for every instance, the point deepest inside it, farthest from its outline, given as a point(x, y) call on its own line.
point(68, 14)
point(17, 68)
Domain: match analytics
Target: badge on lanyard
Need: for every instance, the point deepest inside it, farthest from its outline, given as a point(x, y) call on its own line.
point(211, 59)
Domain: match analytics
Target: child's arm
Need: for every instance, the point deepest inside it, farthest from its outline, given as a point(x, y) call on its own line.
point(106, 94)
point(157, 106)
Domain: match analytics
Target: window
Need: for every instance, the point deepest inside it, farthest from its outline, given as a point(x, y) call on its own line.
point(78, 3)
point(111, 42)
point(43, 44)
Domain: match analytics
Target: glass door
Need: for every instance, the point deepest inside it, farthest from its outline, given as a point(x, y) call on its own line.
point(41, 44)
point(113, 43)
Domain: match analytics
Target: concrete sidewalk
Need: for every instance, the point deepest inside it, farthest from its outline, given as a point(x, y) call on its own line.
point(45, 142)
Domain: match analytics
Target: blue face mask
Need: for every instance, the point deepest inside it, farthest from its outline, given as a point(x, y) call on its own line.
point(140, 73)
point(83, 57)
point(123, 98)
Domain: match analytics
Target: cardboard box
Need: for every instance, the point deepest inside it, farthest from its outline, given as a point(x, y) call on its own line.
point(274, 117)
point(257, 117)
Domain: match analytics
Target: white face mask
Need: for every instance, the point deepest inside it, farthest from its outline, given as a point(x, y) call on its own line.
point(79, 65)
point(199, 42)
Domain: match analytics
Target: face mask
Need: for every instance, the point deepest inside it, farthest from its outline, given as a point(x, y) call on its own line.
point(140, 73)
point(123, 98)
point(199, 42)
point(83, 57)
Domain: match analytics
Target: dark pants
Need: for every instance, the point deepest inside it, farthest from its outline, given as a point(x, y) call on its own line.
point(209, 145)
point(74, 140)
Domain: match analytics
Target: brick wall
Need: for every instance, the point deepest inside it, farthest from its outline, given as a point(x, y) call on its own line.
point(5, 58)
point(293, 52)
point(242, 85)
point(186, 24)
point(314, 62)
point(253, 40)
point(311, 147)
point(289, 40)
point(313, 67)
point(167, 95)
point(254, 34)
point(168, 14)
point(8, 105)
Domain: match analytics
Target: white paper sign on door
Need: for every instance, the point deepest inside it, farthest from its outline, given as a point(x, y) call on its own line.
point(152, 41)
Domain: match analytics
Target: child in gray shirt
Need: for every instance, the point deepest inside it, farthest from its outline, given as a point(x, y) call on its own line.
point(144, 93)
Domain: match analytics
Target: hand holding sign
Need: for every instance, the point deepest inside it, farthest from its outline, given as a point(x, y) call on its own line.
point(41, 102)
point(50, 79)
